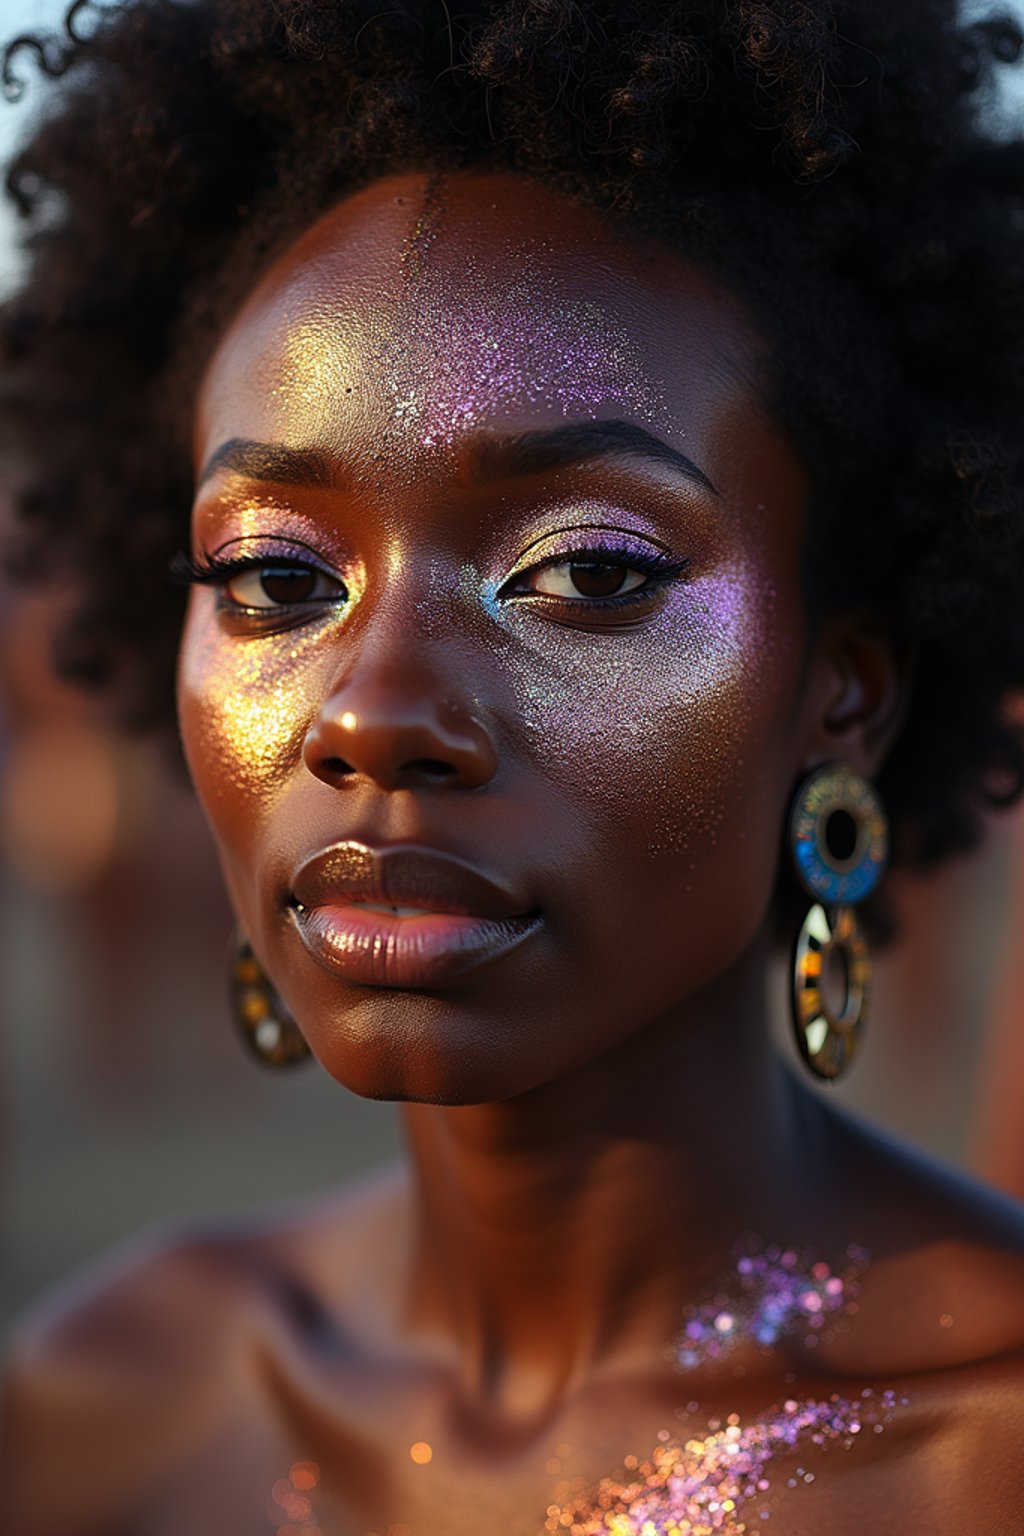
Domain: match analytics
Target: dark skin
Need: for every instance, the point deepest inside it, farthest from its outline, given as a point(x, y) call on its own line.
point(597, 1115)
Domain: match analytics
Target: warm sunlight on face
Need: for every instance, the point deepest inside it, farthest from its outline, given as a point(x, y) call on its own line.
point(519, 554)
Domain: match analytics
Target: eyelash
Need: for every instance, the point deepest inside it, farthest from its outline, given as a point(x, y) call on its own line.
point(660, 569)
point(216, 571)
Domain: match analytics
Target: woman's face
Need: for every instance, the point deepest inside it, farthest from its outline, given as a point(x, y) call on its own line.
point(518, 638)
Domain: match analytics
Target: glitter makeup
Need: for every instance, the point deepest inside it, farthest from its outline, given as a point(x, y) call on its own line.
point(722, 1478)
point(720, 1481)
point(291, 1504)
point(436, 367)
point(253, 714)
point(637, 727)
point(770, 1293)
point(417, 244)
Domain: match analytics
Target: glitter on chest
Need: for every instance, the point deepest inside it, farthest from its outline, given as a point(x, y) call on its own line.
point(290, 1506)
point(720, 1481)
point(770, 1293)
point(724, 1477)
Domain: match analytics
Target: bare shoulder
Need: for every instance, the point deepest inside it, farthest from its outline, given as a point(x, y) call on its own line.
point(944, 1289)
point(150, 1351)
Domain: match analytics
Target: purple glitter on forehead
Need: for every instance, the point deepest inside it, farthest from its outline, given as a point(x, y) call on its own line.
point(769, 1293)
point(718, 1481)
point(468, 349)
point(490, 344)
point(457, 352)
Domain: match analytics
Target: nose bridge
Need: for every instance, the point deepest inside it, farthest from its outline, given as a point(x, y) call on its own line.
point(401, 711)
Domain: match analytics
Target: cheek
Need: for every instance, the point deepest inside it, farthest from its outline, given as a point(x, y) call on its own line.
point(724, 690)
point(675, 737)
point(244, 707)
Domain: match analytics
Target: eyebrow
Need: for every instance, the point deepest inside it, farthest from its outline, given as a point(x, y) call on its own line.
point(268, 461)
point(527, 453)
point(489, 457)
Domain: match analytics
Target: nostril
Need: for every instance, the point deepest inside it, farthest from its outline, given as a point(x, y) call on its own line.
point(336, 765)
point(432, 767)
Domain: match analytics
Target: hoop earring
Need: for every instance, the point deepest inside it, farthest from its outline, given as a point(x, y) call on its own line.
point(263, 1021)
point(839, 839)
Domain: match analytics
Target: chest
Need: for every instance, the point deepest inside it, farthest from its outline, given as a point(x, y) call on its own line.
point(392, 1460)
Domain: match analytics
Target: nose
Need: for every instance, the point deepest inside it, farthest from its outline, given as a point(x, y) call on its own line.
point(396, 726)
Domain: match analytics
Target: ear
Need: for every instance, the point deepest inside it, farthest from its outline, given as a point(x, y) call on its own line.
point(858, 691)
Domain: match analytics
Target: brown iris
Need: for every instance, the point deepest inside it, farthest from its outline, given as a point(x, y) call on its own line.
point(596, 580)
point(288, 584)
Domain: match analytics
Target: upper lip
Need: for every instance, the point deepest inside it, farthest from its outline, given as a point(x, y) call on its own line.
point(402, 875)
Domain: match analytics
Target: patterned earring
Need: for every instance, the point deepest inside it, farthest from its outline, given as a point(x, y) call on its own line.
point(263, 1021)
point(839, 837)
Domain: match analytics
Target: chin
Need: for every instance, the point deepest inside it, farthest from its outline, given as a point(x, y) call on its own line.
point(418, 1048)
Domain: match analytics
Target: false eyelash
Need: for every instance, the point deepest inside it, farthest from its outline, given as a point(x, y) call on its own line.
point(659, 568)
point(638, 560)
point(208, 570)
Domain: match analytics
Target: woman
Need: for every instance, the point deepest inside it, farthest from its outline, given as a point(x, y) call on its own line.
point(602, 428)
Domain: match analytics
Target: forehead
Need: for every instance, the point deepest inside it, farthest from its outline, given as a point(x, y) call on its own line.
point(423, 308)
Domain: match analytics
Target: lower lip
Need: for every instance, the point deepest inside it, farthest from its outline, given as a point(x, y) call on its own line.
point(376, 950)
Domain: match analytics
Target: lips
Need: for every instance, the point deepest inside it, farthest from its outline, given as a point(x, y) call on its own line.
point(451, 917)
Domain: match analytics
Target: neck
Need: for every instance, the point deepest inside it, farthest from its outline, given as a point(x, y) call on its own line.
point(567, 1229)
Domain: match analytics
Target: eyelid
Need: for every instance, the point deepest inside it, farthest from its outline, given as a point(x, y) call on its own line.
point(658, 564)
point(218, 572)
point(588, 539)
point(259, 548)
point(215, 567)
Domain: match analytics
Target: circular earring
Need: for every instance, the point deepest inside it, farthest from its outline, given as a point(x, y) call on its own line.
point(839, 839)
point(263, 1021)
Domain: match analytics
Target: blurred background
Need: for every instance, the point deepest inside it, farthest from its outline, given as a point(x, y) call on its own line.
point(125, 1097)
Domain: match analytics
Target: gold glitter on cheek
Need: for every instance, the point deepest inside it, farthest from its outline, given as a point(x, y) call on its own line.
point(246, 702)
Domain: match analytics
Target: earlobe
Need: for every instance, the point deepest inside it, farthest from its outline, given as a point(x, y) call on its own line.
point(866, 683)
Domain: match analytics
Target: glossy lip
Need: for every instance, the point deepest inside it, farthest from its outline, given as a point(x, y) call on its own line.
point(467, 918)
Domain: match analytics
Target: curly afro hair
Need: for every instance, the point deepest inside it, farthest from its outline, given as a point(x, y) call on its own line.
point(830, 158)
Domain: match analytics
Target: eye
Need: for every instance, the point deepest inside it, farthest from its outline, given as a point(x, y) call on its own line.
point(587, 578)
point(278, 584)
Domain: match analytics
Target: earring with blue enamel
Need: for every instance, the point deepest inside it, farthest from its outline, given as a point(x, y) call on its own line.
point(839, 839)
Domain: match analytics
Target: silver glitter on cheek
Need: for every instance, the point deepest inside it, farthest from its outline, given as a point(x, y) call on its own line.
point(667, 712)
point(729, 683)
